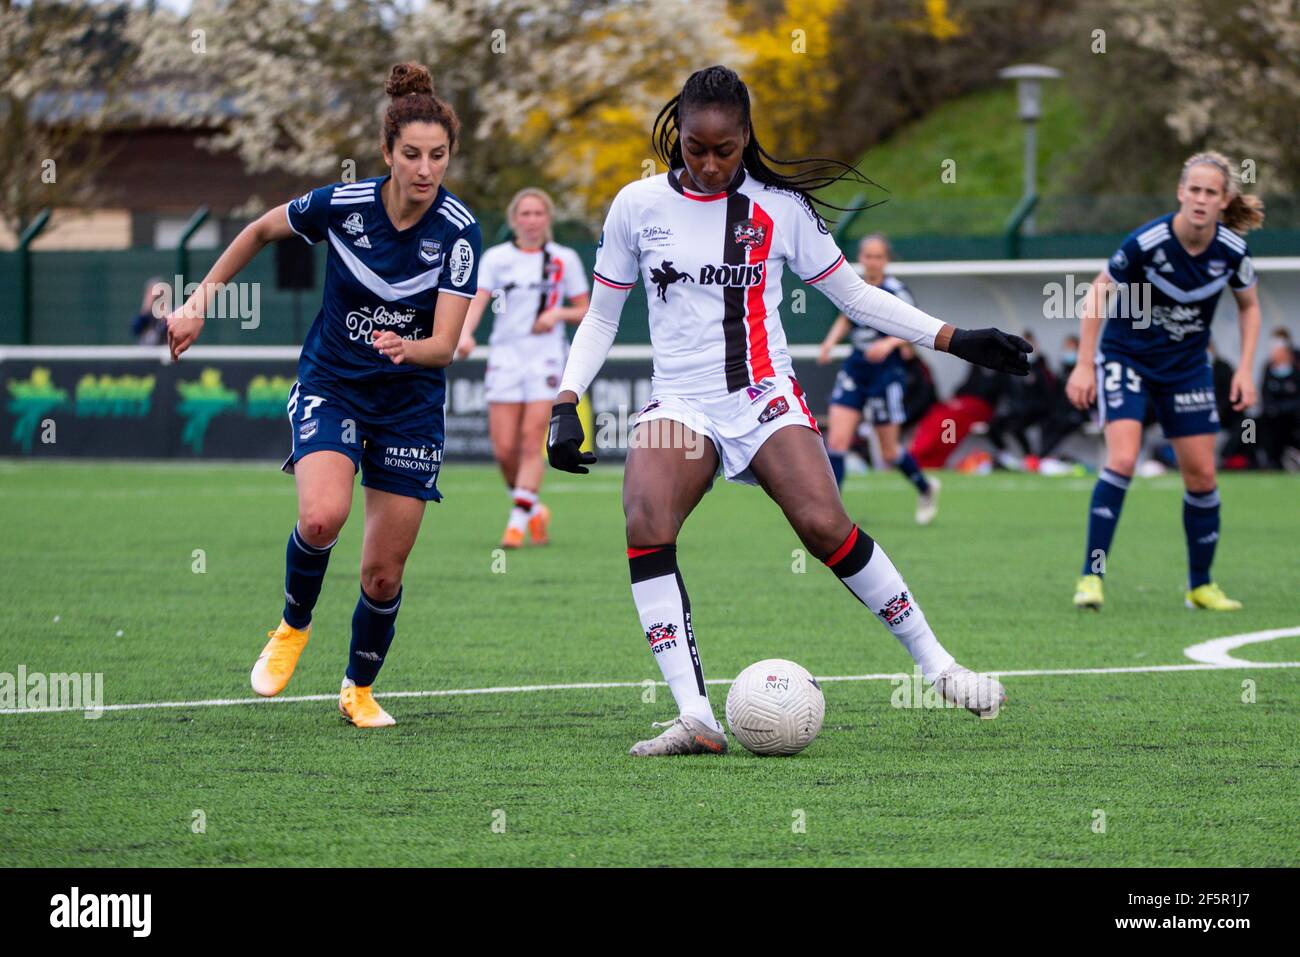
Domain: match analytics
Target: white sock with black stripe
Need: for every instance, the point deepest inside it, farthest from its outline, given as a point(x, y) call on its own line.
point(665, 612)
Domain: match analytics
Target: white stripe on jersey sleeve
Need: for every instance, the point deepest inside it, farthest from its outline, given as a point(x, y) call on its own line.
point(289, 219)
point(1231, 239)
point(459, 207)
point(452, 217)
point(1153, 237)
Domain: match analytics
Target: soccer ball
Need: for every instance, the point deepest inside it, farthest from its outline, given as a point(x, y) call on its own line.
point(775, 707)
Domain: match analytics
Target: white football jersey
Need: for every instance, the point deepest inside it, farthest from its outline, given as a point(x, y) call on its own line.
point(712, 267)
point(525, 284)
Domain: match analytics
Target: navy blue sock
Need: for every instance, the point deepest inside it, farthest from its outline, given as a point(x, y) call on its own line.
point(1201, 524)
point(373, 627)
point(304, 571)
point(837, 466)
point(907, 465)
point(1103, 516)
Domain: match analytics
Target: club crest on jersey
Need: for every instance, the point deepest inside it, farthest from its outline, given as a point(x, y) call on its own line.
point(749, 233)
point(302, 202)
point(775, 409)
point(760, 389)
point(1216, 267)
point(308, 429)
point(429, 249)
point(354, 224)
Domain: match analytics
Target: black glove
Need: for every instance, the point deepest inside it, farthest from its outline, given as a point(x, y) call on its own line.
point(564, 442)
point(992, 349)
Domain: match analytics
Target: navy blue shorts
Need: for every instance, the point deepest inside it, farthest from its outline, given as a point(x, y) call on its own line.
point(403, 459)
point(873, 388)
point(1184, 407)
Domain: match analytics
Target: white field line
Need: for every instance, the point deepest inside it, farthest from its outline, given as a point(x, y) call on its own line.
point(1224, 663)
point(1217, 652)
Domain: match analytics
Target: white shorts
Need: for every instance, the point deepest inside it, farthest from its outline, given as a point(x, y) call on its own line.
point(528, 371)
point(737, 423)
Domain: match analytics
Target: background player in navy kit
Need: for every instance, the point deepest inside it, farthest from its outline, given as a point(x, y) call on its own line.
point(1184, 259)
point(723, 390)
point(400, 274)
point(526, 280)
point(872, 383)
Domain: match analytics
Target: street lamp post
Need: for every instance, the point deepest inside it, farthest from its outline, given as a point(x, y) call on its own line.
point(1029, 96)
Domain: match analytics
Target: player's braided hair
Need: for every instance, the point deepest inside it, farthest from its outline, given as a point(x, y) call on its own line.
point(1245, 211)
point(413, 101)
point(720, 86)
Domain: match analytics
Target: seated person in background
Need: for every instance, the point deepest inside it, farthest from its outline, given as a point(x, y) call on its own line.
point(150, 325)
point(918, 386)
point(947, 423)
point(1279, 420)
point(1062, 419)
point(1024, 403)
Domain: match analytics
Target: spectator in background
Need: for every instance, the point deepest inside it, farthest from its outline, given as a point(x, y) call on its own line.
point(918, 386)
point(1063, 419)
point(1279, 421)
point(947, 423)
point(1024, 403)
point(149, 327)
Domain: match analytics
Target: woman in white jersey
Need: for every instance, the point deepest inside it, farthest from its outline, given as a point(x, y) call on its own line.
point(527, 281)
point(713, 236)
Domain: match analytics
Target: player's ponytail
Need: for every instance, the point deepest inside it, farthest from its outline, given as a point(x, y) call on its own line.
point(413, 101)
point(1245, 211)
point(720, 86)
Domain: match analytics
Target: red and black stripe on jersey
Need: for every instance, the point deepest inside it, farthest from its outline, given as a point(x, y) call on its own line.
point(744, 317)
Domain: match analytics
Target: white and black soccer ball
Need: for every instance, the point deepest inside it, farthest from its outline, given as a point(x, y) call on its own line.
point(775, 707)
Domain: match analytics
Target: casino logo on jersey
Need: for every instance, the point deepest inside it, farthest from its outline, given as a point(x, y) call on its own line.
point(749, 233)
point(354, 224)
point(429, 250)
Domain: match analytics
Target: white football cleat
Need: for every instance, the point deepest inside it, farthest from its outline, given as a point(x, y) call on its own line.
point(979, 694)
point(927, 504)
point(685, 735)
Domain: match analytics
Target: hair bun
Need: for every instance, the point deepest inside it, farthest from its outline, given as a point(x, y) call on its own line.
point(406, 78)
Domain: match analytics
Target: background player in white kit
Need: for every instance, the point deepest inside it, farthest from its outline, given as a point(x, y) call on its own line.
point(713, 236)
point(527, 281)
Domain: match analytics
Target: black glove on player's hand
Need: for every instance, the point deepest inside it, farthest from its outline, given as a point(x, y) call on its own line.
point(564, 442)
point(991, 348)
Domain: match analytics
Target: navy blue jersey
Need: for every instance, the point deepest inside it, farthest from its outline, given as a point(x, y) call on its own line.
point(380, 278)
point(1170, 335)
point(862, 337)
